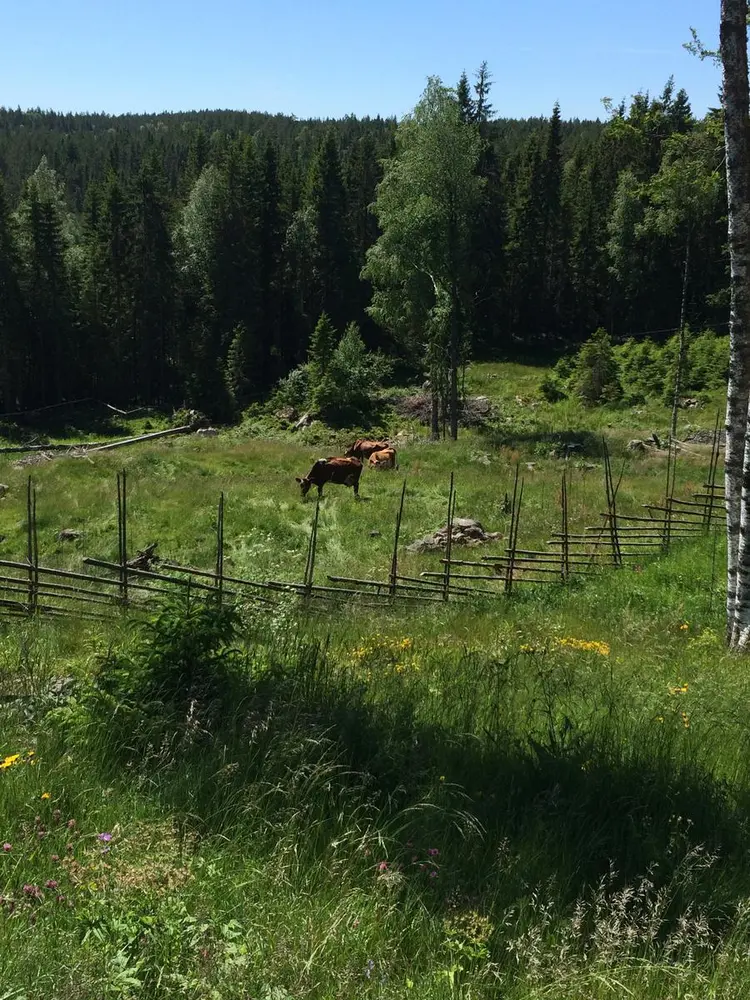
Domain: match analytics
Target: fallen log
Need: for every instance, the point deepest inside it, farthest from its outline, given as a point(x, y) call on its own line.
point(141, 437)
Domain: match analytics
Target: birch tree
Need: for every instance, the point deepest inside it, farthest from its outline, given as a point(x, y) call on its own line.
point(419, 265)
point(733, 51)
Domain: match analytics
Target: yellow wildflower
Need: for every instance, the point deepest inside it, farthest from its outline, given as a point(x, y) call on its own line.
point(685, 720)
point(659, 718)
point(592, 646)
point(527, 648)
point(684, 627)
point(9, 761)
point(679, 689)
point(46, 795)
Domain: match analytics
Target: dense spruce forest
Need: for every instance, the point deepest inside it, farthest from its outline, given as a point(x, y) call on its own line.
point(185, 259)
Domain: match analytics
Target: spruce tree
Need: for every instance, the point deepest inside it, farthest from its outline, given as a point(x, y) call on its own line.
point(466, 105)
point(45, 281)
point(15, 367)
point(483, 110)
point(270, 274)
point(327, 199)
point(152, 286)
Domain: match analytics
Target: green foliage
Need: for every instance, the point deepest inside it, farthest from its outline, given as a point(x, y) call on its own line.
point(182, 655)
point(425, 206)
point(322, 345)
point(349, 386)
point(293, 390)
point(638, 369)
point(595, 377)
point(573, 785)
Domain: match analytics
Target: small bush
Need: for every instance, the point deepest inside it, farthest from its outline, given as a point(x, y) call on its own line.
point(596, 377)
point(638, 370)
point(183, 654)
point(552, 388)
point(293, 390)
point(352, 380)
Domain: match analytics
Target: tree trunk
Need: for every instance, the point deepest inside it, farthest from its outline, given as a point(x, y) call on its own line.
point(453, 360)
point(681, 342)
point(435, 400)
point(733, 48)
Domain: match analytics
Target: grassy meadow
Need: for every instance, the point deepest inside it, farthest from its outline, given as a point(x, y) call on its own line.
point(546, 796)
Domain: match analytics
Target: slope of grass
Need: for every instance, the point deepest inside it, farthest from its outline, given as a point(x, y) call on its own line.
point(547, 796)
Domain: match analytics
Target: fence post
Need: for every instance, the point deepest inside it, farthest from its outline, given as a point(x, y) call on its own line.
point(310, 564)
point(449, 543)
point(393, 581)
point(220, 547)
point(32, 547)
point(122, 534)
point(565, 548)
point(510, 548)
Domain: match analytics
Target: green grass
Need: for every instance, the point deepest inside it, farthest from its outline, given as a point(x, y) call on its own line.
point(280, 797)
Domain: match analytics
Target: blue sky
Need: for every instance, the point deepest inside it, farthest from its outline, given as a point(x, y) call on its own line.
point(328, 58)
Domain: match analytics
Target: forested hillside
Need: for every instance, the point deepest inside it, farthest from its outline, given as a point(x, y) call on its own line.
point(186, 258)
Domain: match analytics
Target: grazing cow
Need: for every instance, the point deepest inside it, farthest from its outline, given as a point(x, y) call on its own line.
point(363, 448)
point(342, 471)
point(385, 459)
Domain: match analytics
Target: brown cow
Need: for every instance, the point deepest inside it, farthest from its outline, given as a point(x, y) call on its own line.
point(385, 459)
point(363, 448)
point(342, 471)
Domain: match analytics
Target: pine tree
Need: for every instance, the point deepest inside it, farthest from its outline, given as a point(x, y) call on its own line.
point(153, 285)
point(483, 111)
point(322, 345)
point(106, 300)
point(270, 268)
point(45, 282)
point(466, 105)
point(15, 374)
point(361, 179)
point(327, 198)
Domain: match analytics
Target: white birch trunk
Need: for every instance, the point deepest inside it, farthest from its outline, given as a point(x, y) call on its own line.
point(733, 47)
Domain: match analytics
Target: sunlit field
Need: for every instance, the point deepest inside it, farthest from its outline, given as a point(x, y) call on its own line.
point(537, 796)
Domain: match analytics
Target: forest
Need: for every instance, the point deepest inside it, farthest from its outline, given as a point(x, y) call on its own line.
point(186, 259)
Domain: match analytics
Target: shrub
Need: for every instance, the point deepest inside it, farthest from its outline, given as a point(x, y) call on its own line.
point(293, 389)
point(353, 378)
point(551, 388)
point(182, 654)
point(595, 378)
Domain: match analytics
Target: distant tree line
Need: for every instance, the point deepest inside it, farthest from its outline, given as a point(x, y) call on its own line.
point(187, 258)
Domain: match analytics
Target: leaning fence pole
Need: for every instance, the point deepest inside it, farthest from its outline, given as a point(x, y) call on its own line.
point(669, 494)
point(393, 579)
point(220, 546)
point(565, 549)
point(310, 566)
point(514, 541)
point(712, 470)
point(32, 549)
point(35, 544)
point(449, 543)
point(510, 547)
point(612, 506)
point(122, 536)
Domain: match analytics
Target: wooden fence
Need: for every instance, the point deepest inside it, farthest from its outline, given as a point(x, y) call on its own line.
point(29, 588)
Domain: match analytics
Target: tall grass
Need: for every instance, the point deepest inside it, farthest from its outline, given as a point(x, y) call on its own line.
point(541, 797)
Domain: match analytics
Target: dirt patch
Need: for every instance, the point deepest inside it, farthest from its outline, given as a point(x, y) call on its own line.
point(475, 411)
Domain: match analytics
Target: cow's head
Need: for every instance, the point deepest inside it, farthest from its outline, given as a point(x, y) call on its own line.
point(304, 485)
point(349, 453)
